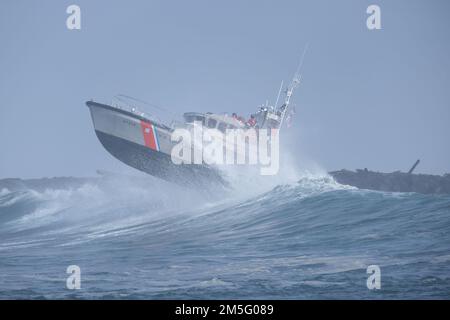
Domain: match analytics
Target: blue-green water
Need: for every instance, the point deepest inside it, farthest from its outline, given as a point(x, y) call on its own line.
point(304, 240)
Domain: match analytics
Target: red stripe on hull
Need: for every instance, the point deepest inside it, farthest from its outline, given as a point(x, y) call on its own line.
point(149, 138)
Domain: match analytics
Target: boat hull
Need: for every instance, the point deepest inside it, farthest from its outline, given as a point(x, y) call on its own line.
point(145, 146)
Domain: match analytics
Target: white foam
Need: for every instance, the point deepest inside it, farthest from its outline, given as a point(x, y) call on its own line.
point(4, 192)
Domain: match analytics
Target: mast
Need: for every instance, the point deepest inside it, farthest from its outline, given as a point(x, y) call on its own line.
point(290, 89)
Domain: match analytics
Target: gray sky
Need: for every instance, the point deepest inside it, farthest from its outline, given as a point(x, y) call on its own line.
point(376, 99)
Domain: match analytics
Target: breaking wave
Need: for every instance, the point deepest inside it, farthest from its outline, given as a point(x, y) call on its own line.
point(298, 238)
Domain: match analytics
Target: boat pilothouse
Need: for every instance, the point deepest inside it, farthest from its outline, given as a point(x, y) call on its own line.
point(144, 142)
point(266, 117)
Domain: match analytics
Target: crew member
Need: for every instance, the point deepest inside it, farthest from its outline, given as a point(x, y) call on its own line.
point(238, 118)
point(252, 121)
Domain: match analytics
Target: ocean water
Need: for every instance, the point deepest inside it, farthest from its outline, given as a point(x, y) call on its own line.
point(310, 238)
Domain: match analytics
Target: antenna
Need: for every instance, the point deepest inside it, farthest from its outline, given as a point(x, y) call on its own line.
point(279, 92)
point(294, 83)
point(297, 73)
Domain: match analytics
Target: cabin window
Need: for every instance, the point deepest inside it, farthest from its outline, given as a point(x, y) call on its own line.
point(195, 118)
point(212, 123)
point(222, 127)
point(200, 119)
point(190, 119)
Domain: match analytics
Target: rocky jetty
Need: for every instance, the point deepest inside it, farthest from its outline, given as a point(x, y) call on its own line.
point(394, 182)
